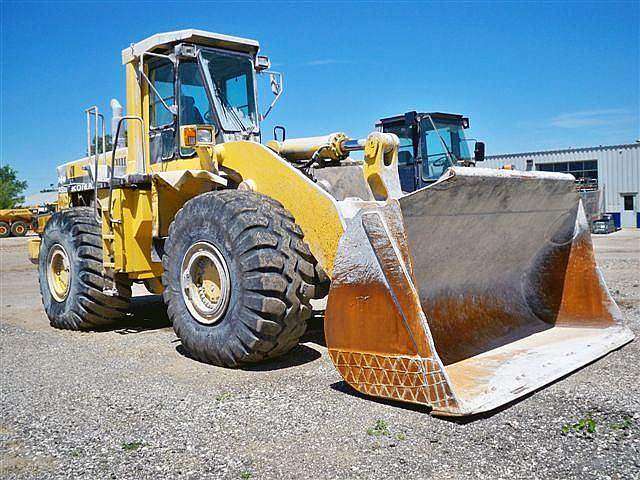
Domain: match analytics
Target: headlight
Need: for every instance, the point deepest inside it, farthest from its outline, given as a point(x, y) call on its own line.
point(197, 136)
point(204, 136)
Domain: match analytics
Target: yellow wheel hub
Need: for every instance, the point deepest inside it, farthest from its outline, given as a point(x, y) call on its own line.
point(209, 281)
point(205, 282)
point(58, 272)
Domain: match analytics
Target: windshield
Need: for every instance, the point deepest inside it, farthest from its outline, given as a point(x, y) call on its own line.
point(231, 82)
point(441, 147)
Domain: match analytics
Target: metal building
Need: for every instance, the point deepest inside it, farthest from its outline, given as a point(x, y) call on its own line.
point(615, 169)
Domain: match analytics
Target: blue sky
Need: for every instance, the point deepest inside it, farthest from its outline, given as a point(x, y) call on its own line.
point(529, 75)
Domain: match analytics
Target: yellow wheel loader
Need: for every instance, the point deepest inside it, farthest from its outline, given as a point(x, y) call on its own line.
point(463, 295)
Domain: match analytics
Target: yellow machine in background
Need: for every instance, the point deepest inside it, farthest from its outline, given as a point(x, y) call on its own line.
point(41, 220)
point(238, 237)
point(15, 222)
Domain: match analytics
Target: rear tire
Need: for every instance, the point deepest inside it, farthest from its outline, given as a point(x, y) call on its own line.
point(253, 244)
point(5, 231)
point(70, 274)
point(19, 228)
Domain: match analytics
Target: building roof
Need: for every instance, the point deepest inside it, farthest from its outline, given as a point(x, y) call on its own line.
point(566, 150)
point(162, 41)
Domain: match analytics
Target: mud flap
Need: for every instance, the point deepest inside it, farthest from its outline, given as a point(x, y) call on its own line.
point(469, 293)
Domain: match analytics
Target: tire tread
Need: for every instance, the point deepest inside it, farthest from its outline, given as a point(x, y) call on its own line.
point(90, 308)
point(276, 270)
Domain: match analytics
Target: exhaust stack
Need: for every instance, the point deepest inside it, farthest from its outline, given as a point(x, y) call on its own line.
point(116, 115)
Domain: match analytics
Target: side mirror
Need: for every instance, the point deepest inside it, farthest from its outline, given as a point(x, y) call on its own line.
point(478, 152)
point(275, 81)
point(282, 130)
point(276, 84)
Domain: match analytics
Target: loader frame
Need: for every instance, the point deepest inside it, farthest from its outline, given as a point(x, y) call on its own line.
point(263, 229)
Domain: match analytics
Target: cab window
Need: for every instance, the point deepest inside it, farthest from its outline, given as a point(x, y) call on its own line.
point(236, 89)
point(162, 131)
point(194, 106)
point(230, 77)
point(405, 149)
point(437, 155)
point(161, 77)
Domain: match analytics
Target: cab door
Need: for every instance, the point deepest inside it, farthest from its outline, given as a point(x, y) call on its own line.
point(162, 122)
point(436, 150)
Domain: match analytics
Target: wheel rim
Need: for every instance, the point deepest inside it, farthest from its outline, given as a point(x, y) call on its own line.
point(58, 272)
point(3, 231)
point(205, 282)
point(20, 229)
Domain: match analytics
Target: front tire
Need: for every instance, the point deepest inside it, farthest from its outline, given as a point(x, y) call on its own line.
point(70, 274)
point(238, 278)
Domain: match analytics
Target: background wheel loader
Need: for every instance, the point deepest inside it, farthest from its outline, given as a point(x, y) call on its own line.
point(463, 295)
point(430, 144)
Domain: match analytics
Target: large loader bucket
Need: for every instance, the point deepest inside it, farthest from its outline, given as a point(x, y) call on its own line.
point(469, 293)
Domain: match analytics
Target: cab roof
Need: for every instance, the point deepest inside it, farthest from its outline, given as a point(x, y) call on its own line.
point(435, 115)
point(162, 42)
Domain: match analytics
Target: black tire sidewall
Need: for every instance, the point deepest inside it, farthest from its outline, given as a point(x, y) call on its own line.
point(58, 232)
point(86, 306)
point(202, 227)
point(8, 230)
point(17, 224)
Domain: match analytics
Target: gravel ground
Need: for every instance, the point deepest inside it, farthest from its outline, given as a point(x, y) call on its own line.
point(128, 404)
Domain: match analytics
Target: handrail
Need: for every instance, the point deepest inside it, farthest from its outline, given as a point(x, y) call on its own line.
point(113, 158)
point(93, 111)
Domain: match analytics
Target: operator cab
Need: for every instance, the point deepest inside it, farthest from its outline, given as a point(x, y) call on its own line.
point(199, 78)
point(430, 143)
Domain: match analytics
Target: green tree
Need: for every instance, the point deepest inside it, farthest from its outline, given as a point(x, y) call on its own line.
point(11, 188)
point(108, 142)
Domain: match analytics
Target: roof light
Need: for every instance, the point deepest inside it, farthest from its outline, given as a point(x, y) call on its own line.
point(262, 63)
